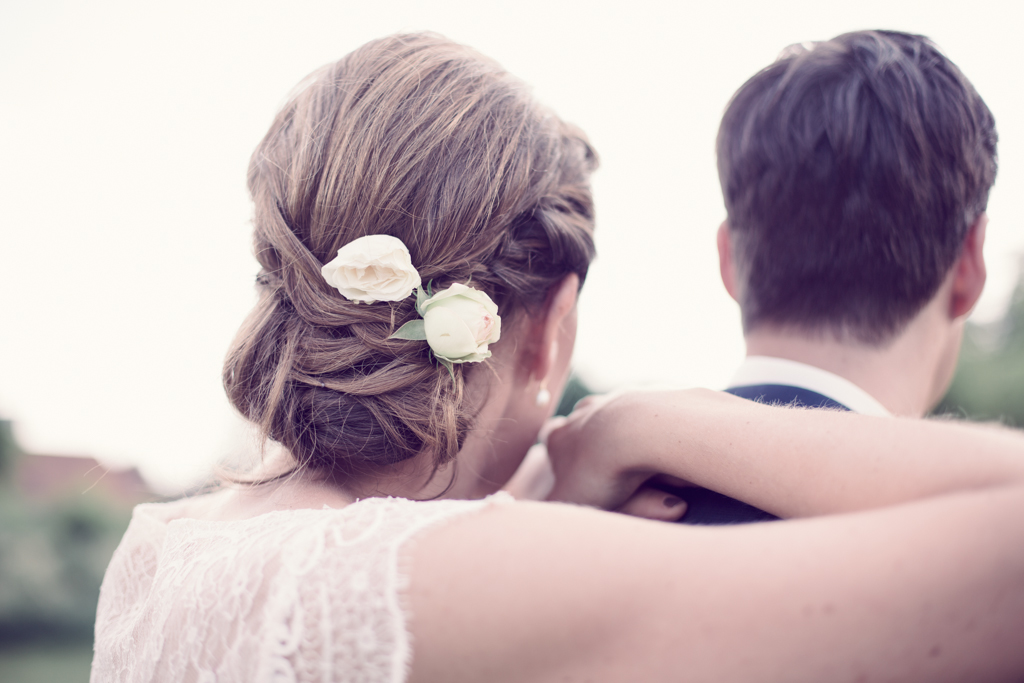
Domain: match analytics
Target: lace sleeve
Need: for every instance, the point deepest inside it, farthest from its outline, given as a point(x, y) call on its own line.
point(302, 595)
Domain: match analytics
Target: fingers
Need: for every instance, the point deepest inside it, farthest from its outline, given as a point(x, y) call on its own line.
point(580, 412)
point(650, 503)
point(590, 457)
point(534, 479)
point(550, 426)
point(587, 400)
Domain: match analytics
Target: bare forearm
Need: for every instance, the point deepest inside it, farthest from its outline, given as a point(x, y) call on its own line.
point(788, 461)
point(931, 591)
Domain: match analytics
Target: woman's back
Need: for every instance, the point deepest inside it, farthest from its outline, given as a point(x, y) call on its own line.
point(289, 595)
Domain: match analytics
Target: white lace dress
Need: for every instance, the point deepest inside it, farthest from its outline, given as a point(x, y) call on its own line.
point(298, 595)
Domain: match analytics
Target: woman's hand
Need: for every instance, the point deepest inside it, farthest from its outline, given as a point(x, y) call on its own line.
point(535, 478)
point(590, 455)
point(599, 459)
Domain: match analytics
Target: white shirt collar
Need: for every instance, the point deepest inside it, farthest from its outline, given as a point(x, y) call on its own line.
point(768, 370)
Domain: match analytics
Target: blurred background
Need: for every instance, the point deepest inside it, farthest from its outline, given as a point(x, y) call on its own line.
point(126, 131)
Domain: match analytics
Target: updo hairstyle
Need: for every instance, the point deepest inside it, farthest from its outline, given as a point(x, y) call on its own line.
point(426, 140)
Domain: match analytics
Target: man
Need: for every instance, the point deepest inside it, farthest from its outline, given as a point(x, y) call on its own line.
point(855, 174)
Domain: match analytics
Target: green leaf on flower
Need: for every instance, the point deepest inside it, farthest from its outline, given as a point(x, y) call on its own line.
point(421, 296)
point(414, 330)
point(447, 364)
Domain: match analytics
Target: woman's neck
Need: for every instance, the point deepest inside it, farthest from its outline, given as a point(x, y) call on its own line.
point(485, 464)
point(504, 429)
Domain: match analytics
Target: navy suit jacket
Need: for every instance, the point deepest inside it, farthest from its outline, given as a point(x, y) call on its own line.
point(707, 507)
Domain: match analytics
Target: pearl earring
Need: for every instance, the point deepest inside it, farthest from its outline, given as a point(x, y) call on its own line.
point(543, 395)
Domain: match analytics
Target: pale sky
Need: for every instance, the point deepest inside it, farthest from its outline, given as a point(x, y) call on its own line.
point(127, 128)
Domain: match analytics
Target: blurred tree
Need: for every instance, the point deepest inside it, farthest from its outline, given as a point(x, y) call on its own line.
point(53, 554)
point(8, 451)
point(52, 559)
point(989, 380)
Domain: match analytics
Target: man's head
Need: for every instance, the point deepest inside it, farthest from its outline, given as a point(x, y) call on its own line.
point(853, 170)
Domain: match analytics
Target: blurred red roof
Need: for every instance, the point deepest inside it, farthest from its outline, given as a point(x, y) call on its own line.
point(49, 477)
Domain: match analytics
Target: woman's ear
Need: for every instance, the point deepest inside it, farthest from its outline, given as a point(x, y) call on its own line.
point(555, 330)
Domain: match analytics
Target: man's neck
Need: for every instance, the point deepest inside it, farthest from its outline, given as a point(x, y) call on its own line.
point(908, 375)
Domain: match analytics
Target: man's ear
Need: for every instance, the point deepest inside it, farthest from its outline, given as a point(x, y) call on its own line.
point(550, 330)
point(725, 261)
point(969, 271)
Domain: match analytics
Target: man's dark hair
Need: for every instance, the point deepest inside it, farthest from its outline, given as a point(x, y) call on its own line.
point(852, 170)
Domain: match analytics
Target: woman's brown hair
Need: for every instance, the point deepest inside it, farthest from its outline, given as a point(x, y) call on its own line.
point(426, 140)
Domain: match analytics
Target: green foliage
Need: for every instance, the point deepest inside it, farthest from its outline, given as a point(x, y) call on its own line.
point(8, 450)
point(989, 380)
point(53, 554)
point(46, 663)
point(52, 560)
point(575, 389)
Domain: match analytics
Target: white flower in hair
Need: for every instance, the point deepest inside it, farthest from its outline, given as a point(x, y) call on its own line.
point(458, 324)
point(373, 268)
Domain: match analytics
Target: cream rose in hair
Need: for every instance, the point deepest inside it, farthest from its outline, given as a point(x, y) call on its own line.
point(460, 322)
point(457, 323)
point(373, 268)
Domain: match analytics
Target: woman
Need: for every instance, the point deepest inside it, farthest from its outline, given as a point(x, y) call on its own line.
point(423, 229)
